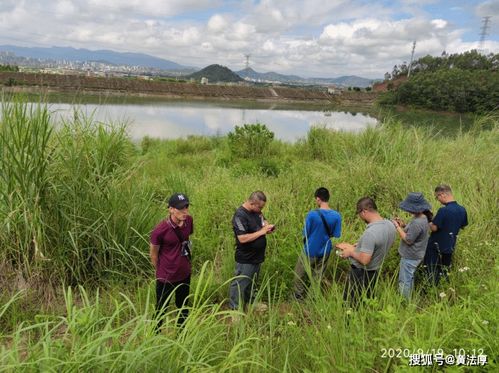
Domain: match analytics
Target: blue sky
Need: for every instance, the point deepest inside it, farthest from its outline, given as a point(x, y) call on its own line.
point(308, 37)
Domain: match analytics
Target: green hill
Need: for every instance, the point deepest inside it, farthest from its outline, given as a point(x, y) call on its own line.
point(216, 73)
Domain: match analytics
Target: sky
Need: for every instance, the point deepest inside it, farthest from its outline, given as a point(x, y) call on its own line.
point(309, 38)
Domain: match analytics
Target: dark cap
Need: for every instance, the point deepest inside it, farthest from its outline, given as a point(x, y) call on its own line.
point(415, 202)
point(178, 201)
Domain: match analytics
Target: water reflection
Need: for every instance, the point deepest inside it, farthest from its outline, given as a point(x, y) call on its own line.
point(176, 120)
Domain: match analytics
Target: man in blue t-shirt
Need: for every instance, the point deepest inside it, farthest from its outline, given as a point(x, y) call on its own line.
point(321, 225)
point(445, 226)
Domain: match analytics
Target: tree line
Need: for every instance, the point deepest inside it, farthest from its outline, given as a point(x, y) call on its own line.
point(465, 82)
point(9, 68)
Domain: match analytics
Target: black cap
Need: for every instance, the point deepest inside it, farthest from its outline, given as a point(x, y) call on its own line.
point(178, 201)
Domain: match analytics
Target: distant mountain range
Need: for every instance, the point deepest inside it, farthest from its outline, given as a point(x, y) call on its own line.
point(271, 76)
point(348, 81)
point(147, 61)
point(111, 57)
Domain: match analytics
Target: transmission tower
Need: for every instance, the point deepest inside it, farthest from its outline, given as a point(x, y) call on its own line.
point(247, 56)
point(484, 31)
point(412, 58)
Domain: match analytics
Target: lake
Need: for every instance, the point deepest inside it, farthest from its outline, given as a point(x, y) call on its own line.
point(177, 119)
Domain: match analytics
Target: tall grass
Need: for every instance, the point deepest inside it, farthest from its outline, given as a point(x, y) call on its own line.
point(25, 155)
point(82, 212)
point(115, 332)
point(70, 212)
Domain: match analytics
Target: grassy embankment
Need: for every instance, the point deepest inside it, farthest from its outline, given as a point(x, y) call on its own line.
point(78, 202)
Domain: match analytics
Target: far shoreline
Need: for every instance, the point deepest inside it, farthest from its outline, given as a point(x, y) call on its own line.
point(35, 83)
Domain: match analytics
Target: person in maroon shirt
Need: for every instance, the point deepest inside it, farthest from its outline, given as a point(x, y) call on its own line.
point(170, 256)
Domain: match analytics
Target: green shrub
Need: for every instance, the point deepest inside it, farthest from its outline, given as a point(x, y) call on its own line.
point(250, 140)
point(11, 82)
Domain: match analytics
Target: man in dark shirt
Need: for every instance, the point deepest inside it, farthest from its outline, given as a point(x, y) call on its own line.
point(250, 229)
point(169, 252)
point(444, 227)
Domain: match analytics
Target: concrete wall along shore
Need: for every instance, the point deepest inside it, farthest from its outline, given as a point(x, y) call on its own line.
point(172, 89)
point(89, 84)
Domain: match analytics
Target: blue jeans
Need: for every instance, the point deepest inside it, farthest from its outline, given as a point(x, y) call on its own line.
point(243, 285)
point(406, 275)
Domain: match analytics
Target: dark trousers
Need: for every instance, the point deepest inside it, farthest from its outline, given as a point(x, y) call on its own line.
point(437, 265)
point(163, 292)
point(315, 266)
point(359, 281)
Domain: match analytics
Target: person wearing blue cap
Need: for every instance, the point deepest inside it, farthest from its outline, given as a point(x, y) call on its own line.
point(413, 239)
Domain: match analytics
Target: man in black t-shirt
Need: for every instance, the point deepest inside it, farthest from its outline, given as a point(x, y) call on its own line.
point(250, 229)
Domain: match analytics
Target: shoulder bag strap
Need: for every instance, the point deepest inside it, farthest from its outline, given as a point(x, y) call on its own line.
point(326, 226)
point(178, 233)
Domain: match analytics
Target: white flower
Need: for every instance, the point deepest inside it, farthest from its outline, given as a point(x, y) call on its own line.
point(291, 323)
point(349, 311)
point(464, 269)
point(442, 294)
point(485, 322)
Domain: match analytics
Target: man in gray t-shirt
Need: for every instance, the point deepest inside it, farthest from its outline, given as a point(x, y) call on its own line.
point(368, 254)
point(375, 241)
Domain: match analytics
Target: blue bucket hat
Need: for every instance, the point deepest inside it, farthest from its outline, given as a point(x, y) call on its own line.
point(415, 202)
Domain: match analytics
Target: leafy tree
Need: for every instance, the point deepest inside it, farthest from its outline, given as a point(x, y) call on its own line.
point(466, 82)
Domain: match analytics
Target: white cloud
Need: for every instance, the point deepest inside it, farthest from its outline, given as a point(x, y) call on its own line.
point(217, 23)
point(488, 8)
point(439, 23)
point(148, 7)
point(64, 8)
point(309, 37)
